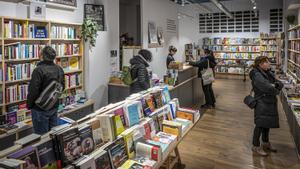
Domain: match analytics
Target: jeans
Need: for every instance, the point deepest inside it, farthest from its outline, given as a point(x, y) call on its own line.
point(260, 131)
point(43, 121)
point(209, 94)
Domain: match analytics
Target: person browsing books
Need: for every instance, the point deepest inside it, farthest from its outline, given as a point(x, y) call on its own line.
point(266, 88)
point(170, 57)
point(139, 72)
point(206, 61)
point(45, 72)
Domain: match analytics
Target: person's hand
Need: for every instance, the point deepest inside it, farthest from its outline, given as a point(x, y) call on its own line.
point(278, 85)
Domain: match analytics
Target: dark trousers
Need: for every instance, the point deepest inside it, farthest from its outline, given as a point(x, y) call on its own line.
point(209, 94)
point(260, 131)
point(43, 121)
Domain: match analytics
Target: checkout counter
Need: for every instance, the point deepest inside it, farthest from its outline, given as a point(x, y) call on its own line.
point(188, 89)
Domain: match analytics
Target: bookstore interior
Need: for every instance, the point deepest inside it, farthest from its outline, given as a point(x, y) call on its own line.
point(100, 123)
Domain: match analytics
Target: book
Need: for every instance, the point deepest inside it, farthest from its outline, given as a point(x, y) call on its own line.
point(189, 114)
point(11, 164)
point(130, 164)
point(157, 97)
point(46, 154)
point(9, 150)
point(120, 111)
point(152, 152)
point(118, 125)
point(87, 162)
point(166, 95)
point(73, 63)
point(64, 63)
point(40, 32)
point(97, 131)
point(69, 145)
point(29, 155)
point(117, 152)
point(150, 102)
point(32, 138)
point(11, 117)
point(145, 161)
point(185, 123)
point(102, 159)
point(107, 126)
point(133, 113)
point(128, 138)
point(87, 141)
point(172, 127)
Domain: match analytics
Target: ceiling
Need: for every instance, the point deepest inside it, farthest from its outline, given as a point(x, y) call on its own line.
point(194, 1)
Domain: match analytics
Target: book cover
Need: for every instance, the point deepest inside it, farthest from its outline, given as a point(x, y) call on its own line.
point(132, 114)
point(64, 63)
point(74, 63)
point(107, 127)
point(102, 160)
point(75, 49)
point(185, 115)
point(86, 163)
point(46, 154)
point(120, 111)
point(87, 141)
point(128, 138)
point(166, 95)
point(150, 103)
point(148, 150)
point(172, 128)
point(144, 161)
point(29, 155)
point(40, 32)
point(118, 125)
point(97, 131)
point(11, 117)
point(69, 145)
point(117, 152)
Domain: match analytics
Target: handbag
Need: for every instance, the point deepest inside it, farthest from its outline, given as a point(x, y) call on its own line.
point(251, 101)
point(208, 75)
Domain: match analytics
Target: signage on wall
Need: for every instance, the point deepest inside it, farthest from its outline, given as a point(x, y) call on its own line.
point(37, 10)
point(72, 3)
point(95, 13)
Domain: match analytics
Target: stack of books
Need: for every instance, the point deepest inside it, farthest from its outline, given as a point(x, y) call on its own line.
point(61, 32)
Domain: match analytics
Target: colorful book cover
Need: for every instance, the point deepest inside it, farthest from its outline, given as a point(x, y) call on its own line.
point(117, 152)
point(120, 111)
point(97, 132)
point(185, 115)
point(102, 160)
point(128, 138)
point(46, 154)
point(74, 63)
point(29, 155)
point(133, 114)
point(70, 148)
point(87, 141)
point(166, 95)
point(11, 117)
point(118, 125)
point(150, 103)
point(64, 63)
point(40, 32)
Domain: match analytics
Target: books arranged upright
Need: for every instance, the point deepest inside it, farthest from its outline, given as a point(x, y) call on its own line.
point(294, 53)
point(72, 80)
point(22, 51)
point(234, 55)
point(67, 64)
point(16, 93)
point(66, 49)
point(18, 71)
point(63, 32)
point(269, 46)
point(23, 29)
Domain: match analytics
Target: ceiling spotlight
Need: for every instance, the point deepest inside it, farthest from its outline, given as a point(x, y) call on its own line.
point(254, 7)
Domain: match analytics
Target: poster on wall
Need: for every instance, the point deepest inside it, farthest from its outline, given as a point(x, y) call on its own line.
point(37, 10)
point(114, 63)
point(160, 36)
point(95, 13)
point(152, 33)
point(72, 3)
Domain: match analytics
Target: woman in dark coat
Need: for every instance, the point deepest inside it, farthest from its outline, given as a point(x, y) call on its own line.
point(139, 72)
point(170, 57)
point(207, 89)
point(266, 87)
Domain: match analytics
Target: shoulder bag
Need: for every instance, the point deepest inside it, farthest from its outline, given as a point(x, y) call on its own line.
point(251, 101)
point(207, 75)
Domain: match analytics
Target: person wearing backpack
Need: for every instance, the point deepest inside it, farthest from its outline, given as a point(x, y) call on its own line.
point(139, 73)
point(45, 74)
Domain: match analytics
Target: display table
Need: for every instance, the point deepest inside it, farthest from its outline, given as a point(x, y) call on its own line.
point(293, 120)
point(80, 111)
point(188, 90)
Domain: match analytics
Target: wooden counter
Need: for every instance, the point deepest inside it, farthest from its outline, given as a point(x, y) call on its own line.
point(188, 90)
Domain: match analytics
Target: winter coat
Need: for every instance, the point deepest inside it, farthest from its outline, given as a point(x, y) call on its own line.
point(266, 86)
point(139, 74)
point(170, 58)
point(42, 76)
point(203, 64)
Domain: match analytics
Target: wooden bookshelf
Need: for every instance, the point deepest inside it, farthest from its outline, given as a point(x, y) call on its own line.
point(236, 52)
point(234, 59)
point(270, 46)
point(294, 63)
point(294, 51)
point(49, 40)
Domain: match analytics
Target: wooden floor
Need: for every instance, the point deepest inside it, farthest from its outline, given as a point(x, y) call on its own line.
point(222, 138)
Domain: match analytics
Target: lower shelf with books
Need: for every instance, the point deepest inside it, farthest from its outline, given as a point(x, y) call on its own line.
point(141, 131)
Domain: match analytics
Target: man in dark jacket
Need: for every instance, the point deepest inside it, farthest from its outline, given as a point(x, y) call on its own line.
point(203, 63)
point(139, 72)
point(45, 72)
point(265, 87)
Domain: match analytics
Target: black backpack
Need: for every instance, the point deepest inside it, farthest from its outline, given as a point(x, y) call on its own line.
point(50, 95)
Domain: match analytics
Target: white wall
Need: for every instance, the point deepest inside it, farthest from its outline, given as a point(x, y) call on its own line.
point(191, 32)
point(159, 11)
point(97, 65)
point(19, 10)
